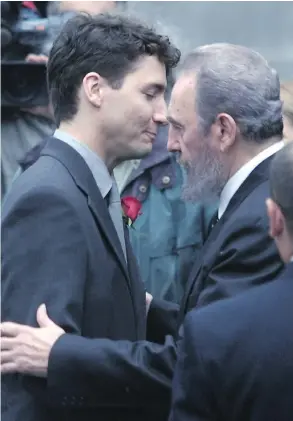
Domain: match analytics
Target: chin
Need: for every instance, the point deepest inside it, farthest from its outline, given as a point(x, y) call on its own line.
point(140, 153)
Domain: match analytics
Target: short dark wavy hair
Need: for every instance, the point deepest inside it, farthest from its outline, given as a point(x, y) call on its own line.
point(107, 44)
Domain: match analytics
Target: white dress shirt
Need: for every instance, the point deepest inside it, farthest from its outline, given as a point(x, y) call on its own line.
point(241, 175)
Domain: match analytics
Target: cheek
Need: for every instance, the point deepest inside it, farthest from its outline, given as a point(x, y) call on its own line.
point(143, 108)
point(144, 113)
point(190, 145)
point(143, 118)
point(173, 136)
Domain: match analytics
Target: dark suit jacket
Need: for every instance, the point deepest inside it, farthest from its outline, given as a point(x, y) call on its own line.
point(60, 247)
point(236, 358)
point(238, 255)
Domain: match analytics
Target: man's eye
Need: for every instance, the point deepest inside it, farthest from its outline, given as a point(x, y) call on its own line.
point(149, 95)
point(175, 126)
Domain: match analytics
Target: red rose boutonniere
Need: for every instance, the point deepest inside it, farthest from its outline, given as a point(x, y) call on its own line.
point(131, 209)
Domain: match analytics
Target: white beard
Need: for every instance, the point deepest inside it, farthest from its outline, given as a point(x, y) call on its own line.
point(205, 177)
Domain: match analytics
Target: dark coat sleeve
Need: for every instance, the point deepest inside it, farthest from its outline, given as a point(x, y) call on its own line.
point(248, 257)
point(192, 388)
point(44, 260)
point(96, 372)
point(162, 320)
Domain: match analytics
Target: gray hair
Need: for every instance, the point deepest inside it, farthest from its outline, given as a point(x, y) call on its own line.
point(238, 81)
point(281, 183)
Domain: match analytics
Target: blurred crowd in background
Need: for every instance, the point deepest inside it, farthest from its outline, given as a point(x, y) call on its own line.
point(169, 232)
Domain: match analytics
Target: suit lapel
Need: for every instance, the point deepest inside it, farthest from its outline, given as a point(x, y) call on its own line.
point(137, 286)
point(259, 175)
point(84, 180)
point(100, 211)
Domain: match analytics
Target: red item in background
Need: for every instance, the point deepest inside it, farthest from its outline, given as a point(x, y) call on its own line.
point(29, 5)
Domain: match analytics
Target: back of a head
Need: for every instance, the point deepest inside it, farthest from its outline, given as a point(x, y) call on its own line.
point(281, 182)
point(110, 45)
point(238, 81)
point(287, 98)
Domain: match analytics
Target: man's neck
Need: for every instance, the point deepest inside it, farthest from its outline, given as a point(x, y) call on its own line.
point(247, 151)
point(85, 136)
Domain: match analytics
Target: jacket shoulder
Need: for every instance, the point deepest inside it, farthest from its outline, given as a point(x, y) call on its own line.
point(45, 178)
point(240, 315)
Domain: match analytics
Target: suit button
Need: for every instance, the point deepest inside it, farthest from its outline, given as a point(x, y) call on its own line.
point(166, 180)
point(142, 188)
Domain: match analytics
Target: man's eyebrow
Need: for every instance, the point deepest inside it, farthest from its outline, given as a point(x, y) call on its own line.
point(174, 122)
point(158, 87)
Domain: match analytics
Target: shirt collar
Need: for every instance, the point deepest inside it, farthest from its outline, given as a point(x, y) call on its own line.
point(241, 175)
point(93, 161)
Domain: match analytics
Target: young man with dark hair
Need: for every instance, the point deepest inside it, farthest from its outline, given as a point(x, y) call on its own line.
point(63, 237)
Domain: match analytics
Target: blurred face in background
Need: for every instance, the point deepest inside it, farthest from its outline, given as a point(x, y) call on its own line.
point(91, 7)
point(200, 153)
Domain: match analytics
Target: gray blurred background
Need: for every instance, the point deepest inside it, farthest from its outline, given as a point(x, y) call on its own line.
point(265, 26)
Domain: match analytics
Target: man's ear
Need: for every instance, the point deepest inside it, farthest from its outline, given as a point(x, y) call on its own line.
point(93, 88)
point(225, 130)
point(276, 218)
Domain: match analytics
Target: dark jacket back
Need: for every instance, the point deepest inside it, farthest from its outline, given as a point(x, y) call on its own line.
point(236, 358)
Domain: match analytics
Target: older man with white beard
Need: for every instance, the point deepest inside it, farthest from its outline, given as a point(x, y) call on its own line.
point(226, 123)
point(255, 347)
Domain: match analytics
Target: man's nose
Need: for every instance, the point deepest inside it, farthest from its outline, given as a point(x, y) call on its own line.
point(161, 119)
point(173, 145)
point(160, 115)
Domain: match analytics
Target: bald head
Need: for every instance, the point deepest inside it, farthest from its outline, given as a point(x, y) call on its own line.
point(281, 181)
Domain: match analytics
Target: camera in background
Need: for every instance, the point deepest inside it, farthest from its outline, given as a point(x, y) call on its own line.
point(25, 30)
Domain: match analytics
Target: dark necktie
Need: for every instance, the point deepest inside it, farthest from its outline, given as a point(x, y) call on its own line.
point(115, 211)
point(213, 222)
